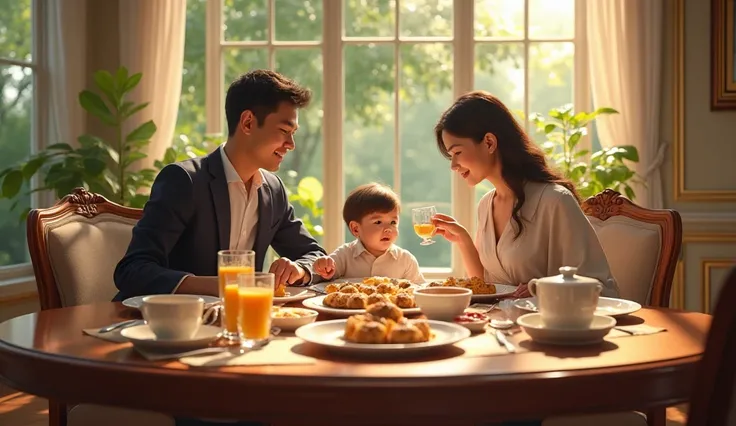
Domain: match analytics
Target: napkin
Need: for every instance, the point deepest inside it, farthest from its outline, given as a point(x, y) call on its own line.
point(110, 336)
point(634, 330)
point(277, 352)
point(485, 344)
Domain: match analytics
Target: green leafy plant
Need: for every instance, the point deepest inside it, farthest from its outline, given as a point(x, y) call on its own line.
point(101, 166)
point(591, 173)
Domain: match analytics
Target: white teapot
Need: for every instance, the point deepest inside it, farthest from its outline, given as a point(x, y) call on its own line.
point(566, 301)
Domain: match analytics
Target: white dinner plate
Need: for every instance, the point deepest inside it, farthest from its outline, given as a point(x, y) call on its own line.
point(606, 306)
point(329, 334)
point(141, 336)
point(317, 304)
point(294, 294)
point(599, 328)
point(137, 301)
point(502, 290)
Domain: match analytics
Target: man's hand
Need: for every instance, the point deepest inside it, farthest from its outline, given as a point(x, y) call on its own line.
point(286, 272)
point(324, 267)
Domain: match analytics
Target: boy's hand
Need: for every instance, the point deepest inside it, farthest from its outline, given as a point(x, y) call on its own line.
point(324, 267)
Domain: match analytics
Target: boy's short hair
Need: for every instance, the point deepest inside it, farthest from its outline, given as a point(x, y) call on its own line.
point(367, 199)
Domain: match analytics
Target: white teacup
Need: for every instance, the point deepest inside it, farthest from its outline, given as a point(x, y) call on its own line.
point(566, 300)
point(173, 316)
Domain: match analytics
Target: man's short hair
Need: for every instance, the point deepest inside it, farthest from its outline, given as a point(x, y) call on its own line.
point(261, 92)
point(367, 199)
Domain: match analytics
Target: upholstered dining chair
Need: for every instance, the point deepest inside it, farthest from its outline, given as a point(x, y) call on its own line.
point(642, 245)
point(74, 247)
point(713, 401)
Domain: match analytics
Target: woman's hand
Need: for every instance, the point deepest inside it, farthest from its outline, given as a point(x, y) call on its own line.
point(449, 228)
point(522, 291)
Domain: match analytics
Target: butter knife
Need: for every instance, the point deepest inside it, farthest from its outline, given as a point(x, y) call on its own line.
point(502, 340)
point(117, 325)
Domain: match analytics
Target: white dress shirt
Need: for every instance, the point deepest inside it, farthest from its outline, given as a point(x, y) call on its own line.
point(243, 206)
point(352, 260)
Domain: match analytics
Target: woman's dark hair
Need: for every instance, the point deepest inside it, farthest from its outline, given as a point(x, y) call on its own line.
point(477, 113)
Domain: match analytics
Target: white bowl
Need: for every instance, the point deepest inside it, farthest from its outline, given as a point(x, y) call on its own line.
point(533, 326)
point(292, 323)
point(442, 303)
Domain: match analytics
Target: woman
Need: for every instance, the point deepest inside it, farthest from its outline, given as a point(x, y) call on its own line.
point(531, 224)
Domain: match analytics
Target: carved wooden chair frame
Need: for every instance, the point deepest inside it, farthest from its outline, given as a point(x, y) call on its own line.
point(610, 203)
point(80, 202)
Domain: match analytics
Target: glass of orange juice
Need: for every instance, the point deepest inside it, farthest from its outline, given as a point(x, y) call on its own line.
point(255, 299)
point(230, 265)
point(423, 226)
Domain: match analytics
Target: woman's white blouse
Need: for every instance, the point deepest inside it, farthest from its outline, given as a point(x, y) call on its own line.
point(556, 233)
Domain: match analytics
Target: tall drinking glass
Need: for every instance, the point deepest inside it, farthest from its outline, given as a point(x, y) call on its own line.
point(254, 313)
point(230, 265)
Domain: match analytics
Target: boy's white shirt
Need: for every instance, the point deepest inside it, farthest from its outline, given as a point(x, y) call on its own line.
point(352, 260)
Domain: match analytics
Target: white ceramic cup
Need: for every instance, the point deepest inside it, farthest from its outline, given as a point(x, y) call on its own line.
point(173, 316)
point(568, 303)
point(442, 303)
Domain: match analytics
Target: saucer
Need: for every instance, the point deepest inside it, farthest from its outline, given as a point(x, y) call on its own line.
point(532, 325)
point(142, 337)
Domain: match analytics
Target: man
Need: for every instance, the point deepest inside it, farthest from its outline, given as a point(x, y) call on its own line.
point(229, 199)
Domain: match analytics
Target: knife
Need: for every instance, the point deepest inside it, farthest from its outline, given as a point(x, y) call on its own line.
point(117, 325)
point(501, 338)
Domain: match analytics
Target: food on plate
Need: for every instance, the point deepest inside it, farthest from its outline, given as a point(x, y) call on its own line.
point(385, 323)
point(470, 317)
point(280, 291)
point(477, 285)
point(290, 313)
point(353, 295)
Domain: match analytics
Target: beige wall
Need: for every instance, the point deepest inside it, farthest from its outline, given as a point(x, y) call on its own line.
point(705, 141)
point(103, 49)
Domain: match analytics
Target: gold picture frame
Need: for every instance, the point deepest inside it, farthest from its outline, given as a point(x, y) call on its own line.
point(723, 54)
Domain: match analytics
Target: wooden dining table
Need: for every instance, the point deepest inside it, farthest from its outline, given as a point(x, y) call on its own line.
point(55, 360)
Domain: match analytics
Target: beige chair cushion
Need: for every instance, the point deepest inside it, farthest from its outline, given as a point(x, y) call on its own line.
point(96, 415)
point(629, 418)
point(84, 253)
point(632, 249)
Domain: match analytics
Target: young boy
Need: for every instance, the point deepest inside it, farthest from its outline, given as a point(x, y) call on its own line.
point(371, 212)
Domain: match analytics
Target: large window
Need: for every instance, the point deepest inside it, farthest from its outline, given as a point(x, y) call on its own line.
point(18, 65)
point(382, 71)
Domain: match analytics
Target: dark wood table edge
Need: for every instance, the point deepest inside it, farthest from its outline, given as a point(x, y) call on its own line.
point(632, 387)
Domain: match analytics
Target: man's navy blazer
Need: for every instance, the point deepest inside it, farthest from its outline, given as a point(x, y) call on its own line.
point(187, 220)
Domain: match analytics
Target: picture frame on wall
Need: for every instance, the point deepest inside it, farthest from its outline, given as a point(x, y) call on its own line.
point(723, 54)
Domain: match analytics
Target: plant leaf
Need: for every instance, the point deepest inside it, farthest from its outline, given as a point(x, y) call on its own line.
point(32, 166)
point(132, 82)
point(121, 77)
point(142, 132)
point(59, 146)
point(12, 183)
point(94, 104)
point(310, 188)
point(106, 84)
point(135, 109)
point(94, 166)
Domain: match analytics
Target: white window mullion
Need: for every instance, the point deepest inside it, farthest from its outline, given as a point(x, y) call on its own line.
point(581, 72)
point(397, 99)
point(463, 202)
point(332, 119)
point(214, 73)
point(271, 34)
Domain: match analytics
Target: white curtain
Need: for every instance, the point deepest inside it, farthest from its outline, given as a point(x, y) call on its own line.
point(66, 54)
point(152, 42)
point(65, 61)
point(625, 54)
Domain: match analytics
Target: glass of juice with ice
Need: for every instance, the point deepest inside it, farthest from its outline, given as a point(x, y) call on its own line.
point(230, 265)
point(255, 295)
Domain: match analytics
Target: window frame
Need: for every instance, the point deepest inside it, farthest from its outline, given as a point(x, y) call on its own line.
point(19, 278)
point(333, 41)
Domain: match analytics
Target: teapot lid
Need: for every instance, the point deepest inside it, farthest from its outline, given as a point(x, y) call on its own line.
point(568, 276)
